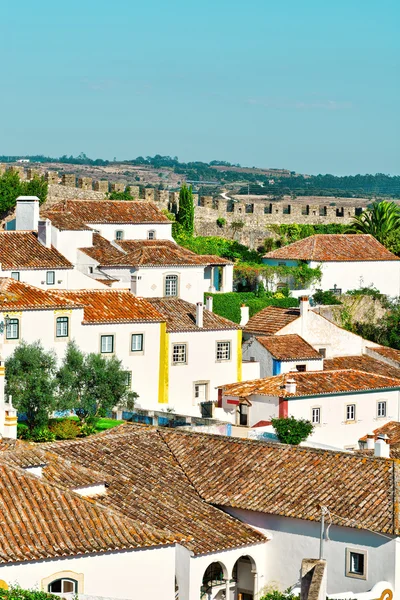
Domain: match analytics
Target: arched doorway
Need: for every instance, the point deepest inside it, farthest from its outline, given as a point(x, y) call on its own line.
point(244, 576)
point(215, 581)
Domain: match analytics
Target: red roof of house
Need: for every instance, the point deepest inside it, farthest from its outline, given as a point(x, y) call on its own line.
point(271, 319)
point(112, 211)
point(22, 250)
point(15, 295)
point(288, 347)
point(334, 247)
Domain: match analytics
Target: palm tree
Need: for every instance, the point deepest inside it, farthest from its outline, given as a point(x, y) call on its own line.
point(381, 220)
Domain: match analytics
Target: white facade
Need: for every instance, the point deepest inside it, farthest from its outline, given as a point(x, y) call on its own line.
point(133, 231)
point(64, 279)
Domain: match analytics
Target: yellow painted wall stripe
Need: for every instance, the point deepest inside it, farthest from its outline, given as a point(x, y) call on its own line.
point(164, 365)
point(239, 355)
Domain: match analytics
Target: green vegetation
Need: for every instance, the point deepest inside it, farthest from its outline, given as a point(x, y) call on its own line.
point(387, 331)
point(126, 195)
point(367, 291)
point(228, 305)
point(221, 222)
point(382, 220)
point(275, 595)
point(65, 428)
point(325, 297)
point(185, 216)
point(17, 593)
point(291, 430)
point(11, 187)
point(287, 234)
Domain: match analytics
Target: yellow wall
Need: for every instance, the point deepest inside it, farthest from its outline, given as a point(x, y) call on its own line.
point(164, 365)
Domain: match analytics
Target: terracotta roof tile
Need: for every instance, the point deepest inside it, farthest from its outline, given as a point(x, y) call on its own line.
point(312, 383)
point(334, 247)
point(291, 481)
point(391, 429)
point(148, 485)
point(181, 316)
point(361, 363)
point(65, 221)
point(22, 250)
point(271, 319)
point(288, 347)
point(112, 306)
point(15, 295)
point(386, 352)
point(112, 211)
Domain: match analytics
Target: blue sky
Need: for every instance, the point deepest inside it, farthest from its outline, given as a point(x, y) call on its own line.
point(311, 86)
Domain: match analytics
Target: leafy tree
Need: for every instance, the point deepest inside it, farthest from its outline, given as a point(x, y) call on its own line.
point(30, 379)
point(37, 186)
point(126, 195)
point(292, 431)
point(17, 593)
point(381, 220)
point(185, 216)
point(92, 384)
point(10, 189)
point(325, 297)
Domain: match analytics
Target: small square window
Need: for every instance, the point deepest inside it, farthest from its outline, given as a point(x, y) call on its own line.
point(316, 416)
point(62, 327)
point(119, 235)
point(171, 285)
point(15, 275)
point(356, 563)
point(107, 344)
point(200, 391)
point(300, 368)
point(179, 354)
point(151, 235)
point(90, 270)
point(137, 342)
point(322, 352)
point(382, 408)
point(50, 277)
point(351, 412)
point(12, 329)
point(223, 350)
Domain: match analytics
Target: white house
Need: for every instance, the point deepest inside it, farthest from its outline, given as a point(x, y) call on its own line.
point(341, 404)
point(347, 262)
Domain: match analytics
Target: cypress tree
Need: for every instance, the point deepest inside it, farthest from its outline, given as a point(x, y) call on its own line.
point(185, 216)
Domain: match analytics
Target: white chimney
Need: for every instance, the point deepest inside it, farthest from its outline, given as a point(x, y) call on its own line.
point(209, 303)
point(244, 315)
point(370, 441)
point(304, 308)
point(199, 314)
point(44, 233)
point(27, 213)
point(382, 447)
point(290, 386)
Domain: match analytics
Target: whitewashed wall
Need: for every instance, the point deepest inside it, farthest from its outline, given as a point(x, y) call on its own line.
point(295, 539)
point(68, 242)
point(254, 349)
point(132, 231)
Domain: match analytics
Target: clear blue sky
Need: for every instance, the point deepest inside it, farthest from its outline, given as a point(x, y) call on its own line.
point(310, 85)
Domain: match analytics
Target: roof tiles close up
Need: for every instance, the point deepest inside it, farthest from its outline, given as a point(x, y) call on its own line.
point(22, 250)
point(111, 211)
point(288, 347)
point(181, 316)
point(271, 319)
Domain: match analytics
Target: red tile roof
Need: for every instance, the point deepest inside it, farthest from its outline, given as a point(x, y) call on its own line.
point(290, 481)
point(181, 316)
point(22, 250)
point(334, 247)
point(361, 363)
point(391, 429)
point(312, 383)
point(112, 306)
point(390, 353)
point(271, 319)
point(112, 211)
point(65, 221)
point(15, 295)
point(288, 347)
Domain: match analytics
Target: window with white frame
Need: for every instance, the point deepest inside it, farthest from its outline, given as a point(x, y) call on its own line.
point(200, 392)
point(63, 586)
point(15, 275)
point(151, 235)
point(381, 408)
point(137, 342)
point(171, 285)
point(50, 277)
point(356, 563)
point(179, 354)
point(119, 235)
point(107, 344)
point(12, 329)
point(351, 412)
point(223, 350)
point(62, 326)
point(316, 416)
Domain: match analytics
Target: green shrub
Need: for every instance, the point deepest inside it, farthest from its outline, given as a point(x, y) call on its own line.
point(23, 432)
point(66, 429)
point(325, 297)
point(42, 434)
point(292, 431)
point(221, 222)
point(275, 595)
point(366, 291)
point(87, 429)
point(17, 593)
point(228, 305)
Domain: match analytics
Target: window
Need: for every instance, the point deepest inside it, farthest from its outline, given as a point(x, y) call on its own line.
point(243, 414)
point(300, 368)
point(137, 342)
point(90, 270)
point(207, 410)
point(316, 416)
point(200, 391)
point(15, 275)
point(12, 329)
point(351, 412)
point(356, 563)
point(107, 344)
point(119, 235)
point(171, 285)
point(322, 352)
point(63, 586)
point(151, 235)
point(179, 354)
point(62, 327)
point(223, 350)
point(50, 277)
point(382, 408)
point(128, 379)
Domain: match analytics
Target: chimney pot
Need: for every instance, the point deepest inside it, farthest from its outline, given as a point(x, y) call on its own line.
point(291, 386)
point(199, 314)
point(370, 441)
point(382, 447)
point(244, 315)
point(27, 213)
point(209, 303)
